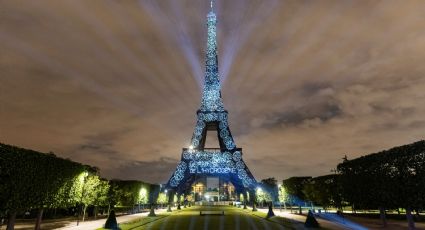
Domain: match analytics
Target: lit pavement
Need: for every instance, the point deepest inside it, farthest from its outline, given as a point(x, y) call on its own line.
point(95, 224)
point(300, 219)
point(333, 222)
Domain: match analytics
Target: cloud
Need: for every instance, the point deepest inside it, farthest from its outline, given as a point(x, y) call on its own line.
point(117, 84)
point(150, 171)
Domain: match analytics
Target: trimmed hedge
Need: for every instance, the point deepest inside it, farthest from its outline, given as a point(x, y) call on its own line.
point(31, 179)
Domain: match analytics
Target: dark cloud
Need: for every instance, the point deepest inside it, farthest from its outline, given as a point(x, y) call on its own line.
point(323, 112)
point(151, 171)
point(116, 84)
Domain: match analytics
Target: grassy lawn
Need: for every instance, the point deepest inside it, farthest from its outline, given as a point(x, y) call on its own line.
point(189, 218)
point(140, 222)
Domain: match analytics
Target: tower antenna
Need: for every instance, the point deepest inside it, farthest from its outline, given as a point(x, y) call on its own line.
point(212, 4)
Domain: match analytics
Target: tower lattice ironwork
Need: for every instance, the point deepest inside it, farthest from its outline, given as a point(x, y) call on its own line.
point(224, 162)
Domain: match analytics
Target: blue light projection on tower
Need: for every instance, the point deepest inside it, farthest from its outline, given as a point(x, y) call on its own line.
point(212, 163)
point(211, 98)
point(226, 160)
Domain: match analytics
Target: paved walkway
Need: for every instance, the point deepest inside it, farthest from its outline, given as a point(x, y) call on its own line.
point(327, 220)
point(99, 223)
point(71, 224)
point(326, 223)
point(376, 224)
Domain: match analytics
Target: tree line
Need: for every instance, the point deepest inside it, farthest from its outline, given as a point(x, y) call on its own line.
point(392, 179)
point(389, 179)
point(31, 180)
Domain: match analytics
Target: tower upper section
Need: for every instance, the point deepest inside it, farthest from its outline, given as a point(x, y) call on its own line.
point(211, 96)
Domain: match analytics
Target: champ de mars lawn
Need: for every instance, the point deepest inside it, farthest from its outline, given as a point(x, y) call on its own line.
point(190, 218)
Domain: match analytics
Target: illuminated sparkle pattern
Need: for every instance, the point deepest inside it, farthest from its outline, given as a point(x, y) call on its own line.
point(226, 161)
point(178, 174)
point(211, 163)
point(211, 97)
point(221, 118)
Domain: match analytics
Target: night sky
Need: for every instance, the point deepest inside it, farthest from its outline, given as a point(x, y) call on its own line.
point(116, 84)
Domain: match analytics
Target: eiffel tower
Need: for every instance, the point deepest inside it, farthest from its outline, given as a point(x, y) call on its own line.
point(197, 161)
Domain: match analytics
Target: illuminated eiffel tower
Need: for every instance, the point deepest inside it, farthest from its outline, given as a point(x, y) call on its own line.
point(225, 162)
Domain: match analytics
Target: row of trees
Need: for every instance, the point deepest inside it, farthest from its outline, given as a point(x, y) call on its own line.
point(32, 180)
point(390, 179)
point(267, 191)
point(325, 191)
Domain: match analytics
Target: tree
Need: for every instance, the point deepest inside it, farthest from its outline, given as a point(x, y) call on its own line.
point(162, 198)
point(388, 179)
point(283, 196)
point(128, 193)
point(153, 197)
point(101, 199)
point(270, 186)
point(91, 188)
point(33, 180)
point(143, 195)
point(67, 194)
point(241, 197)
point(294, 188)
point(114, 194)
point(324, 190)
point(263, 196)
